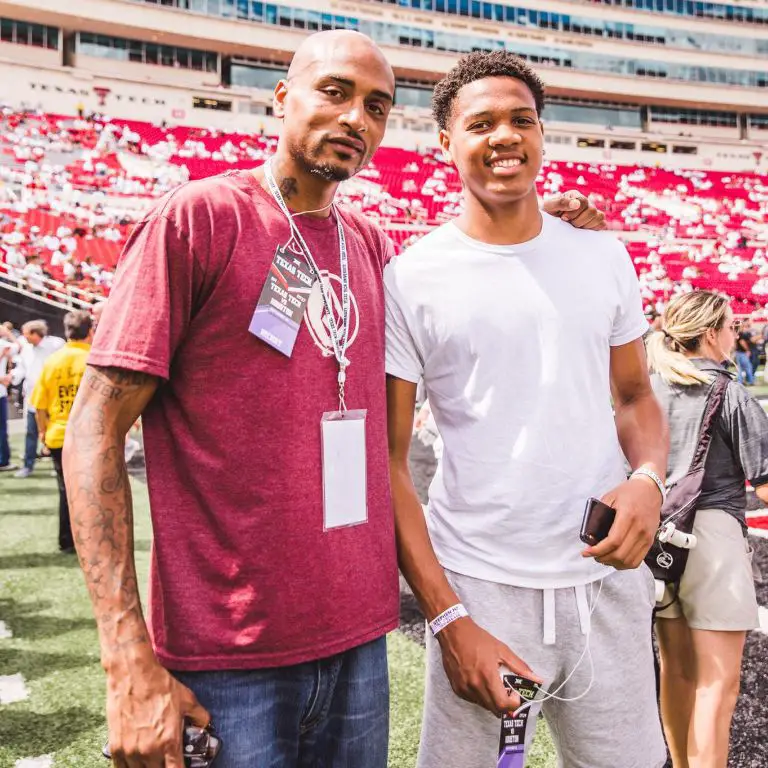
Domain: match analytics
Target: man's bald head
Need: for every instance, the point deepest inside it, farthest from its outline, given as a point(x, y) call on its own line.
point(323, 47)
point(334, 103)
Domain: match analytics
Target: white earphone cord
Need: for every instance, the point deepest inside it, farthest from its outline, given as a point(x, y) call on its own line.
point(552, 695)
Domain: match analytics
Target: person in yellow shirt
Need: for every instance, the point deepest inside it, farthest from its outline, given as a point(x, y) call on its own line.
point(52, 398)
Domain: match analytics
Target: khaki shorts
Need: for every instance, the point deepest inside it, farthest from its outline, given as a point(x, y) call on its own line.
point(717, 591)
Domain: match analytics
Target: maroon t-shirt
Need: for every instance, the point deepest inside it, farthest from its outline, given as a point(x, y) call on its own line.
point(242, 573)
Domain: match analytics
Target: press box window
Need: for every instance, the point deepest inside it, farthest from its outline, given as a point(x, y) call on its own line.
point(217, 104)
point(584, 143)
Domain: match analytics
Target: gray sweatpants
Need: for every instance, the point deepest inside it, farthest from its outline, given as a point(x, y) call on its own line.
point(616, 725)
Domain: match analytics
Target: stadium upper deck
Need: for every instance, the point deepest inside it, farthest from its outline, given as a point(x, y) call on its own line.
point(628, 80)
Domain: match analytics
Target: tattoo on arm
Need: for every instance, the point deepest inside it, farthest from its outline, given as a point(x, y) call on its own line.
point(108, 402)
point(113, 385)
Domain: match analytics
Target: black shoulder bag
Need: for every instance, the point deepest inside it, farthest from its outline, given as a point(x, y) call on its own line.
point(666, 560)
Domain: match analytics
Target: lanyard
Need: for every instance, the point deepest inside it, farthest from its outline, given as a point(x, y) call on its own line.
point(339, 338)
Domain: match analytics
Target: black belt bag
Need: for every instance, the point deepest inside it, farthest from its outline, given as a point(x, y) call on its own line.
point(666, 560)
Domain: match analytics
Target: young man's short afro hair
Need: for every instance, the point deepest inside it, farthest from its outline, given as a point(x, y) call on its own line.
point(477, 66)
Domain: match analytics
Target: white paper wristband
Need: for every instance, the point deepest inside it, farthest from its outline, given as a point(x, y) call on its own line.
point(447, 617)
point(647, 472)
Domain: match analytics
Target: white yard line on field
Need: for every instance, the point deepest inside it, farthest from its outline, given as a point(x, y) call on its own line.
point(12, 689)
point(44, 761)
point(762, 614)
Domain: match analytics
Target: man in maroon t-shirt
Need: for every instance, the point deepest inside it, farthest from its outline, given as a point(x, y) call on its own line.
point(273, 570)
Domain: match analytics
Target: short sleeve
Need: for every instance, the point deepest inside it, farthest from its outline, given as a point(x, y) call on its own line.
point(150, 305)
point(39, 399)
point(387, 249)
point(749, 437)
point(402, 356)
point(629, 323)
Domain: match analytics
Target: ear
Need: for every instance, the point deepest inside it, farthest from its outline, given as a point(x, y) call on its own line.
point(445, 142)
point(278, 99)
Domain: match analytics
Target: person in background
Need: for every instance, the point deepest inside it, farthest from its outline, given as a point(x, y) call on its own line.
point(34, 274)
point(702, 632)
point(36, 348)
point(755, 344)
point(744, 356)
point(6, 347)
point(52, 399)
point(8, 331)
point(96, 312)
point(764, 334)
point(654, 319)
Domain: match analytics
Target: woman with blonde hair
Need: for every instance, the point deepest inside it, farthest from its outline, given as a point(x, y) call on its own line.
point(702, 629)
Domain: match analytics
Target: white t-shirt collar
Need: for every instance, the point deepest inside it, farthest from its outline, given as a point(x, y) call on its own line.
point(507, 250)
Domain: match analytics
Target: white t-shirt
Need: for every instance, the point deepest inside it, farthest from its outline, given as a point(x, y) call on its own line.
point(30, 362)
point(513, 343)
point(4, 365)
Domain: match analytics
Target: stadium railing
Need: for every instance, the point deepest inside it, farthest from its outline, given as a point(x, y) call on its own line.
point(53, 292)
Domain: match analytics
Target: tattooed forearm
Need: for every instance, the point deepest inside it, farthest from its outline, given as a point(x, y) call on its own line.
point(108, 391)
point(113, 383)
point(101, 507)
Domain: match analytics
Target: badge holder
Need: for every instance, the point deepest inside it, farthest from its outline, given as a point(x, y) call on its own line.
point(514, 725)
point(345, 484)
point(283, 301)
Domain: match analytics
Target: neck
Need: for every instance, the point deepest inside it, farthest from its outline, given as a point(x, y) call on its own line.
point(706, 352)
point(301, 190)
point(508, 224)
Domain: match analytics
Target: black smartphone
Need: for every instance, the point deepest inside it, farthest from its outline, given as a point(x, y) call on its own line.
point(597, 522)
point(201, 746)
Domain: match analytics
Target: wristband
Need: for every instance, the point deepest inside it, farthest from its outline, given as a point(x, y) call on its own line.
point(647, 472)
point(447, 617)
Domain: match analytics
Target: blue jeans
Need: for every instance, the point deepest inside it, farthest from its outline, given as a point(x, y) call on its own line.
point(332, 713)
point(5, 449)
point(744, 366)
point(30, 443)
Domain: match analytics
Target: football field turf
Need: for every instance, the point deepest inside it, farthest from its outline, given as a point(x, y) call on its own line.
point(51, 660)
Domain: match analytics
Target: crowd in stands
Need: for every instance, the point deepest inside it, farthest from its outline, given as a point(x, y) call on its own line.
point(72, 187)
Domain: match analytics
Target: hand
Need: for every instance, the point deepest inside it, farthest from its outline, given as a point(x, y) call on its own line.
point(146, 707)
point(5, 380)
point(638, 512)
point(421, 417)
point(575, 208)
point(471, 658)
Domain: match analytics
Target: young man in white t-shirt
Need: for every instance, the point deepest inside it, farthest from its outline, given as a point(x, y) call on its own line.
point(522, 328)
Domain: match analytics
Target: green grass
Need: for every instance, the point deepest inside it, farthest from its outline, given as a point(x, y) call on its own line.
point(44, 602)
point(406, 669)
point(760, 388)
